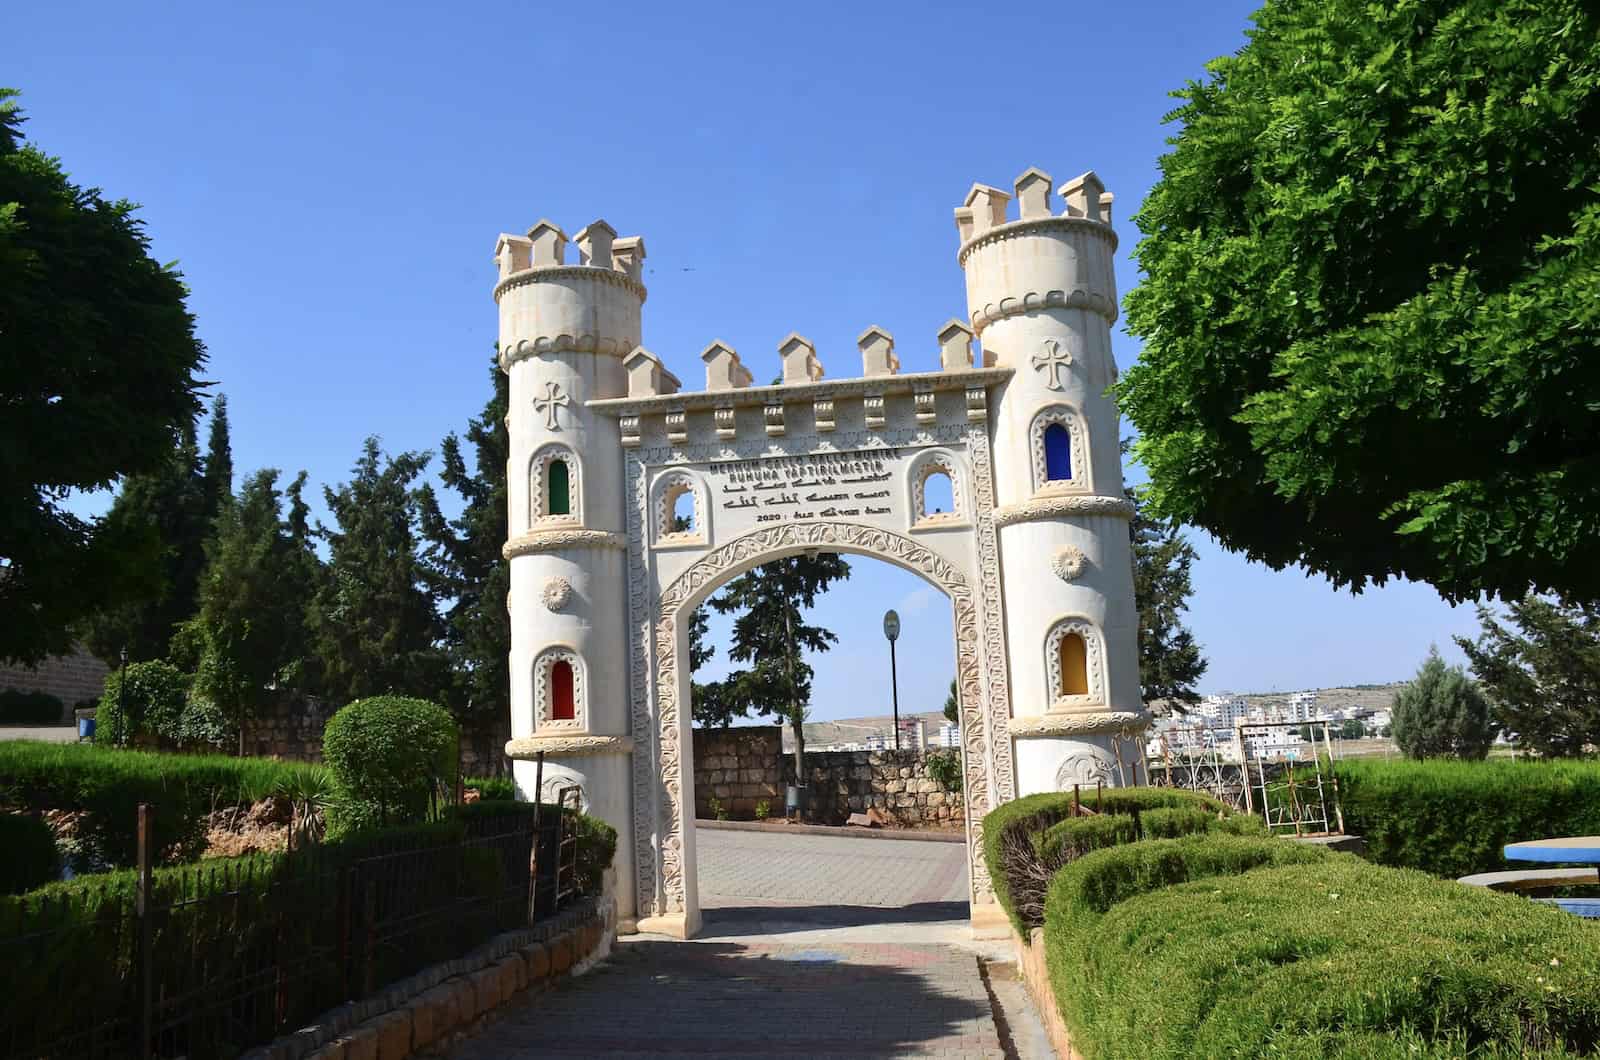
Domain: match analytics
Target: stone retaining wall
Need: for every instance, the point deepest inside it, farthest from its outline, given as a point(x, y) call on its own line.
point(1036, 977)
point(737, 769)
point(291, 729)
point(425, 1012)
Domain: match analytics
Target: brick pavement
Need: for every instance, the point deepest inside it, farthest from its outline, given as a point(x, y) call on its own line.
point(814, 946)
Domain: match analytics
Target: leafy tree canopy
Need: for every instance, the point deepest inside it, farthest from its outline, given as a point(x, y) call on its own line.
point(98, 358)
point(469, 570)
point(1170, 662)
point(1442, 714)
point(373, 623)
point(1541, 669)
point(1369, 310)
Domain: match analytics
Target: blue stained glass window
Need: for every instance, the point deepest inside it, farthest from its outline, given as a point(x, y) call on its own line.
point(1057, 453)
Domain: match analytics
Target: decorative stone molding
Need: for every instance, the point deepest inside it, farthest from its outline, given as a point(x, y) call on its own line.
point(1069, 563)
point(1088, 765)
point(584, 342)
point(1033, 226)
point(528, 747)
point(543, 663)
point(1065, 505)
point(936, 462)
point(873, 406)
point(539, 473)
point(557, 593)
point(1076, 724)
point(835, 390)
point(668, 488)
point(1082, 479)
point(568, 273)
point(1033, 301)
point(1094, 664)
point(536, 541)
point(977, 404)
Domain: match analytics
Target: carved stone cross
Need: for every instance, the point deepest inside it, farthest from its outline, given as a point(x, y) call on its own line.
point(1052, 360)
point(553, 399)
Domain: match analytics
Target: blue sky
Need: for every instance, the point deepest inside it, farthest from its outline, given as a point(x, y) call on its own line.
point(331, 179)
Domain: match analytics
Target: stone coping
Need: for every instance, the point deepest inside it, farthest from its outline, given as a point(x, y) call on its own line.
point(928, 835)
point(419, 1013)
point(798, 393)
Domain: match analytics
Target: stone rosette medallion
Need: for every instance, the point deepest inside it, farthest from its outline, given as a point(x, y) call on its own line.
point(557, 593)
point(1069, 563)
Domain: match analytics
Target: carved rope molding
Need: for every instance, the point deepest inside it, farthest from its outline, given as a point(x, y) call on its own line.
point(586, 342)
point(530, 746)
point(1040, 508)
point(1033, 301)
point(1084, 724)
point(536, 541)
point(543, 273)
point(1033, 226)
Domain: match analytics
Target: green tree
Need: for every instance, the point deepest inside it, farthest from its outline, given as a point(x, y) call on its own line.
point(1541, 671)
point(711, 701)
point(165, 506)
point(216, 479)
point(1352, 729)
point(1170, 662)
point(464, 554)
point(770, 632)
point(1442, 714)
point(373, 622)
point(1368, 312)
point(952, 703)
point(249, 634)
point(99, 358)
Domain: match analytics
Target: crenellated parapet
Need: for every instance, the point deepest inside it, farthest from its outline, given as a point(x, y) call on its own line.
point(1039, 259)
point(550, 305)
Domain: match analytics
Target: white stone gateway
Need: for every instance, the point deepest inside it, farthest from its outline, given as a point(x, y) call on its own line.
point(632, 502)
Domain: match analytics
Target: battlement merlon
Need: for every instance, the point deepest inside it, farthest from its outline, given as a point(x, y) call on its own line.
point(723, 369)
point(877, 352)
point(800, 364)
point(647, 376)
point(1039, 260)
point(549, 305)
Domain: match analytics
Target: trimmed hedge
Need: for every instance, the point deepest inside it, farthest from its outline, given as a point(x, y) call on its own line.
point(143, 703)
point(1077, 836)
point(29, 708)
point(392, 758)
point(1452, 818)
point(597, 841)
point(1222, 946)
point(1014, 833)
point(493, 789)
point(30, 856)
point(109, 784)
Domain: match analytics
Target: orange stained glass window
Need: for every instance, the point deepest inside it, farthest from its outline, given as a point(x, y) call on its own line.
point(1074, 665)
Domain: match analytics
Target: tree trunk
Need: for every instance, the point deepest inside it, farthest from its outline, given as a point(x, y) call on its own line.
point(798, 722)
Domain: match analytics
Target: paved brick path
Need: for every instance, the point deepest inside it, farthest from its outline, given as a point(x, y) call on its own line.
point(814, 946)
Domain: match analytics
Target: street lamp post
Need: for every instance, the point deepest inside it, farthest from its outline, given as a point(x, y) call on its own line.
point(891, 629)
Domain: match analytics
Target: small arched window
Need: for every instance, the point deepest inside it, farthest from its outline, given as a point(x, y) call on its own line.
point(560, 486)
point(938, 494)
point(1057, 453)
point(1074, 665)
point(683, 511)
point(563, 703)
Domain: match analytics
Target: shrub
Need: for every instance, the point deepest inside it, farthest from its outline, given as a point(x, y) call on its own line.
point(205, 724)
point(1442, 714)
point(1219, 946)
point(150, 711)
point(1174, 821)
point(493, 789)
point(29, 708)
point(391, 756)
point(1451, 818)
point(1077, 836)
point(31, 858)
point(945, 767)
point(110, 784)
point(1013, 836)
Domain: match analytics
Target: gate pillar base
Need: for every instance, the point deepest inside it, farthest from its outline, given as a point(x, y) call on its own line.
point(676, 925)
point(989, 921)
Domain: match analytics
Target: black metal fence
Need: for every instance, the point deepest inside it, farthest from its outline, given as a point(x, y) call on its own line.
point(211, 961)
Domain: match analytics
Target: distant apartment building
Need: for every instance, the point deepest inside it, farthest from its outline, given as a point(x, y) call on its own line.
point(948, 736)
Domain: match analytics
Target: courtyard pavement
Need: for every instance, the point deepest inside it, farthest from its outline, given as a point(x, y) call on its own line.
point(46, 733)
point(812, 946)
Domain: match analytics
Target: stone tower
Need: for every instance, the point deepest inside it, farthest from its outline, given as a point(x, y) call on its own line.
point(565, 332)
point(1041, 296)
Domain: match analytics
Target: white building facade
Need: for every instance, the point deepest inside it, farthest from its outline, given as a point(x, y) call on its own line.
point(632, 501)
